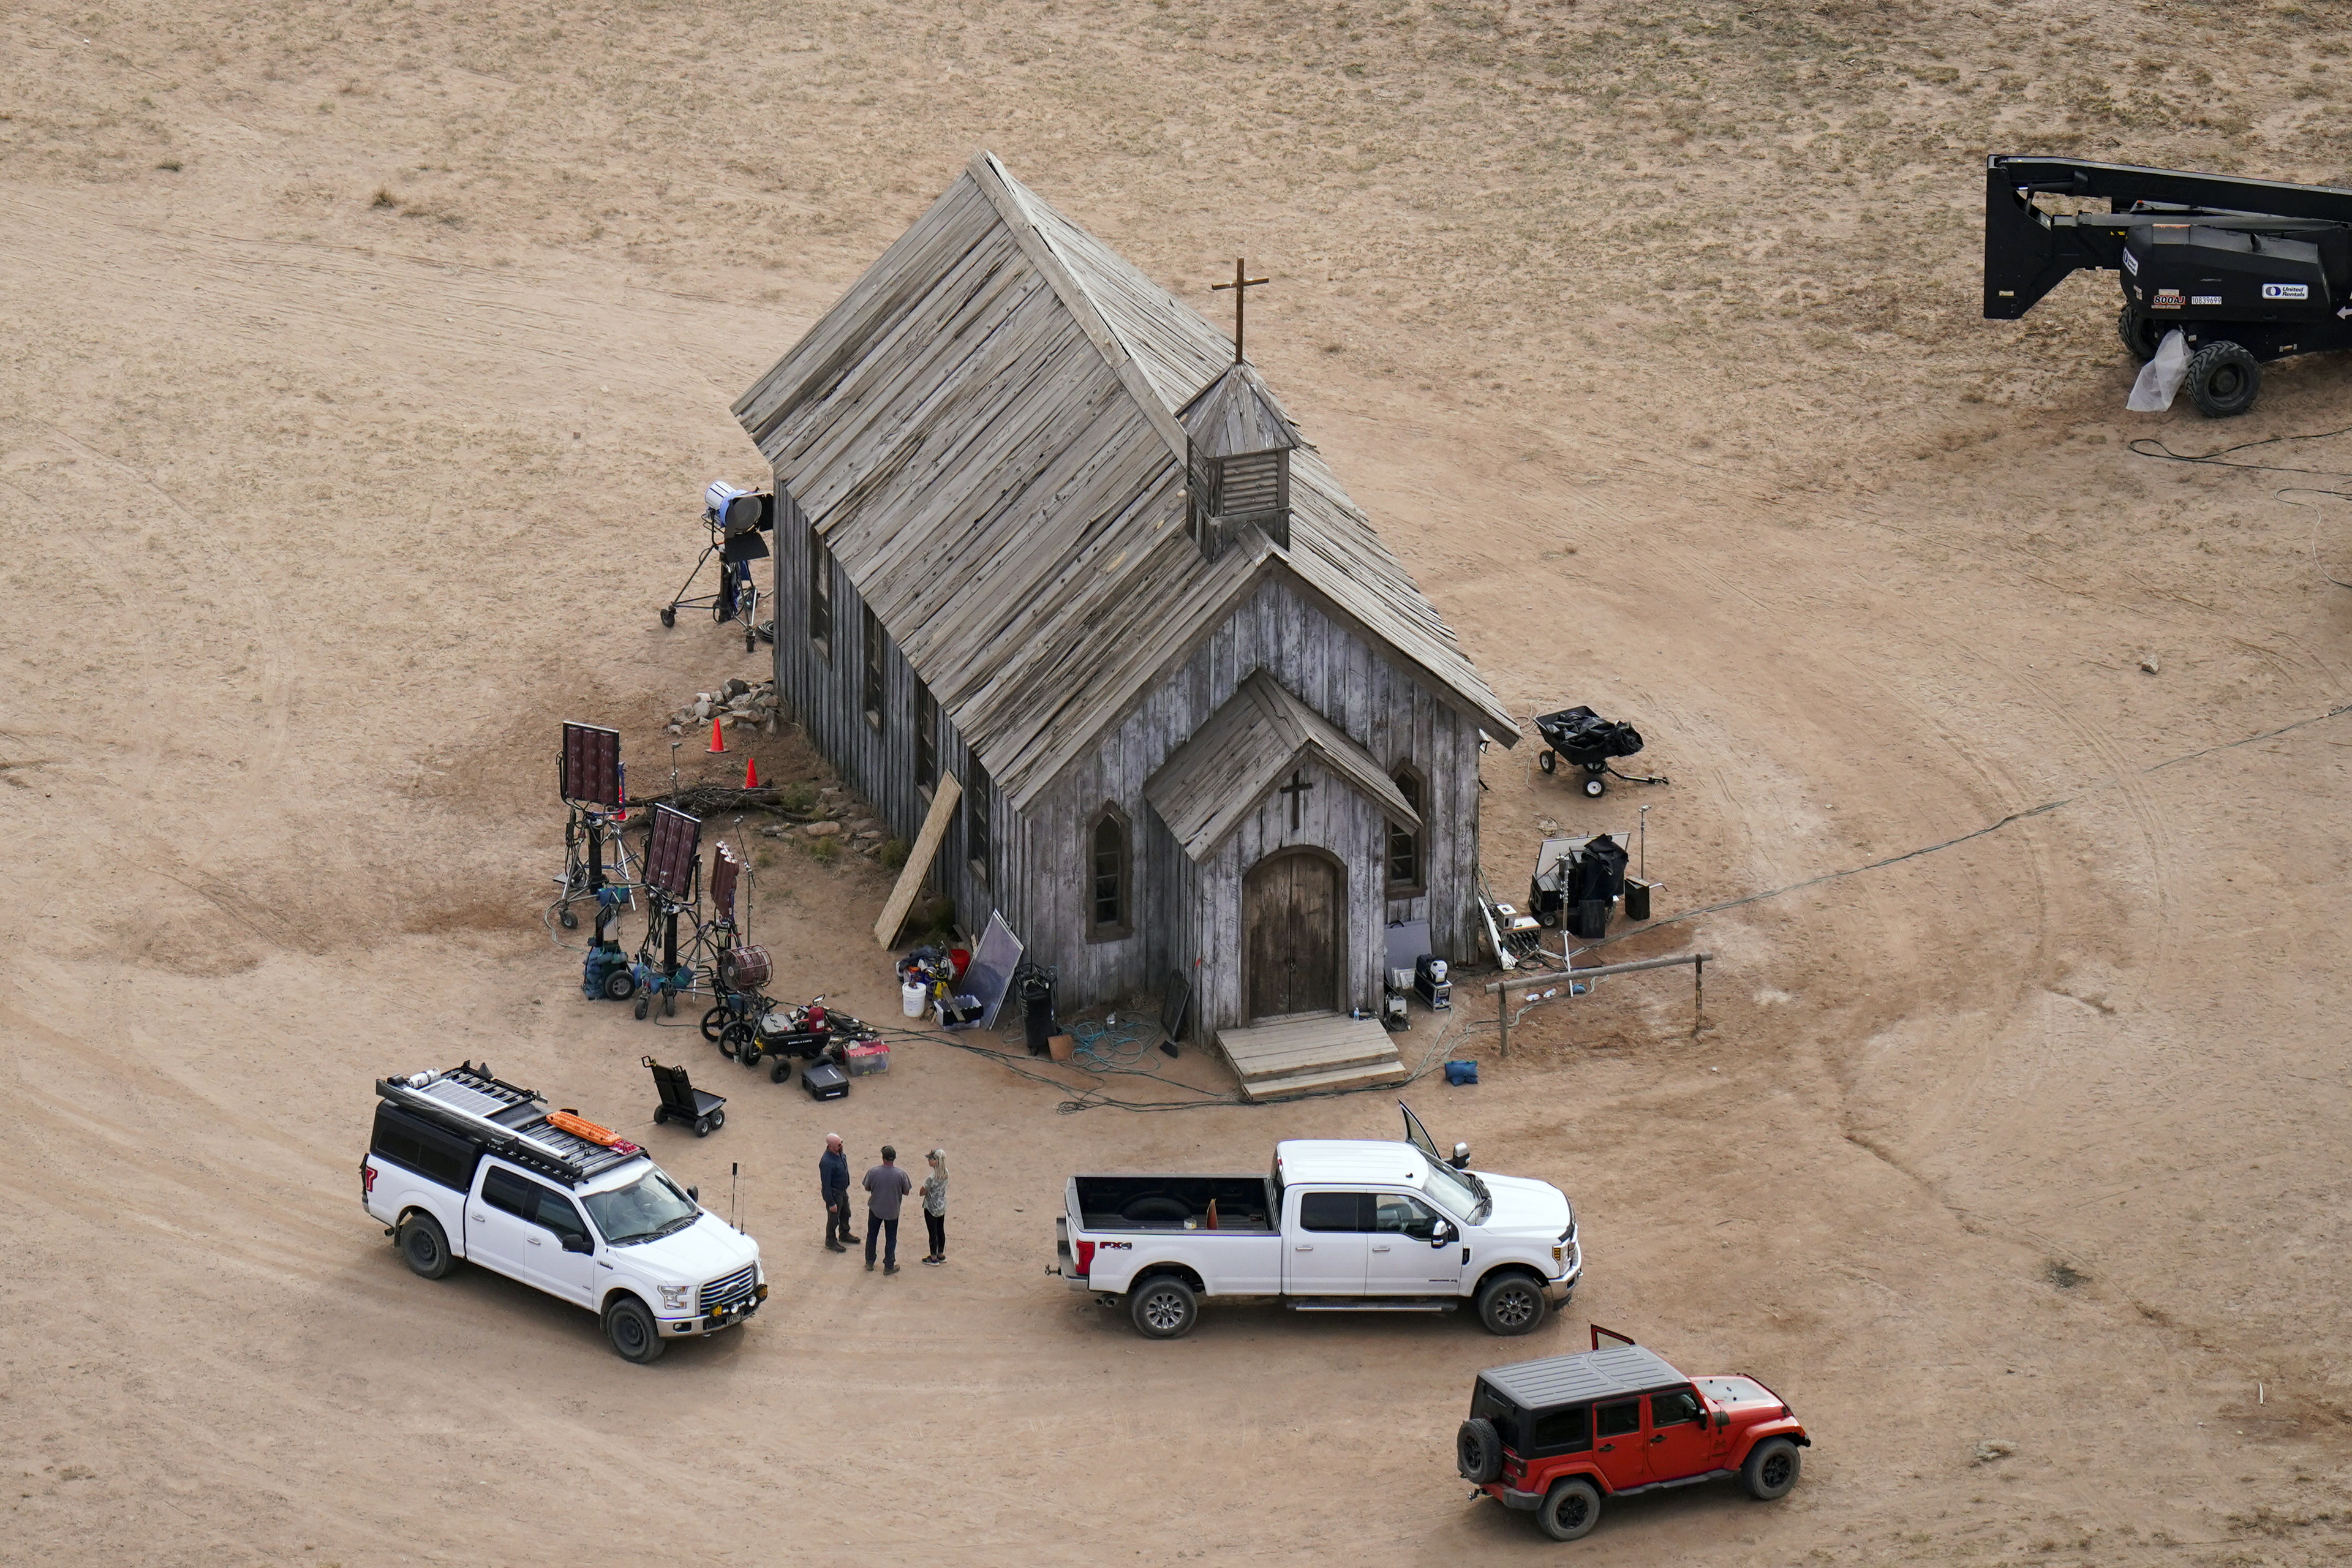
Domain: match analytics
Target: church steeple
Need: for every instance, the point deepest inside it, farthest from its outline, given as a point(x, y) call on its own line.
point(1240, 442)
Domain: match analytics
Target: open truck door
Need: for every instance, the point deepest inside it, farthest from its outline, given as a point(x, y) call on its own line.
point(1418, 1136)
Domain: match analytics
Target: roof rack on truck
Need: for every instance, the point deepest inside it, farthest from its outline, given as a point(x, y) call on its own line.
point(507, 1119)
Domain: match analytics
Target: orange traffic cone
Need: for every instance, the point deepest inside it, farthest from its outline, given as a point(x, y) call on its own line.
point(718, 740)
point(751, 773)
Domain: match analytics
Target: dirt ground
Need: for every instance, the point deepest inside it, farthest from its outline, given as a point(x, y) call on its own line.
point(360, 369)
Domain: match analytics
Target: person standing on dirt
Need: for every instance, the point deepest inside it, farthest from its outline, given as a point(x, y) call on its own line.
point(886, 1187)
point(935, 1207)
point(833, 1184)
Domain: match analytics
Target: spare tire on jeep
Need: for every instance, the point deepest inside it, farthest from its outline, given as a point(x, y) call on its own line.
point(1478, 1450)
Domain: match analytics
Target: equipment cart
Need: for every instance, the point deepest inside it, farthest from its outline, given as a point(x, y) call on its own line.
point(1589, 741)
point(680, 1102)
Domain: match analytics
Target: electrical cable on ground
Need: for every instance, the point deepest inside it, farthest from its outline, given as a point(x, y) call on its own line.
point(2150, 447)
point(2015, 816)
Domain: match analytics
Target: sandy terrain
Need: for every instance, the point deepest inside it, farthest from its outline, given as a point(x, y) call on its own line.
point(360, 367)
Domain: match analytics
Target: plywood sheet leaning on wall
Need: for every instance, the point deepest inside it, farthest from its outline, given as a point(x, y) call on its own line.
point(918, 860)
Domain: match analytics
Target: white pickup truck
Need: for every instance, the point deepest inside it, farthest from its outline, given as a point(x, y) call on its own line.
point(464, 1166)
point(1339, 1225)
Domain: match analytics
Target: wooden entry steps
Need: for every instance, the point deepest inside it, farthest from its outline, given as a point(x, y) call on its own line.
point(1302, 1055)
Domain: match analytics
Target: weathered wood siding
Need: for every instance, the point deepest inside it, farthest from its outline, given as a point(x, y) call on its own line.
point(826, 696)
point(1186, 918)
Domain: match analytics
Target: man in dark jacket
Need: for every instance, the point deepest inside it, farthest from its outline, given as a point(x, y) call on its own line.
point(832, 1183)
point(886, 1187)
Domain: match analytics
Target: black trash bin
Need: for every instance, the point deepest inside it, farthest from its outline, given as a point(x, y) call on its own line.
point(1637, 898)
point(1039, 1025)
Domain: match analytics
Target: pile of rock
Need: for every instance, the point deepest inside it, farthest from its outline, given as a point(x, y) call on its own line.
point(842, 816)
point(735, 702)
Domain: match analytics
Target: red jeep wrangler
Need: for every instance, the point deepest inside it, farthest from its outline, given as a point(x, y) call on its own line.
point(1558, 1435)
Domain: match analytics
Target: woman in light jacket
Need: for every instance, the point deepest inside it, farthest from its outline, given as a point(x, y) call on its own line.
point(935, 1206)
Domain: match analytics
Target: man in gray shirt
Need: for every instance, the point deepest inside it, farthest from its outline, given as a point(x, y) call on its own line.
point(886, 1187)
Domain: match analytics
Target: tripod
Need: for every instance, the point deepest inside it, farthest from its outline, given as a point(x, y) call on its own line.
point(667, 979)
point(737, 595)
point(586, 835)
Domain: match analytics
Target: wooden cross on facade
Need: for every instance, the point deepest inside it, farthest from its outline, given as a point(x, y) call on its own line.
point(1241, 285)
point(1296, 786)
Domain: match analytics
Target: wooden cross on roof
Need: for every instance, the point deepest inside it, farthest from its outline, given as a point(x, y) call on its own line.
point(1241, 285)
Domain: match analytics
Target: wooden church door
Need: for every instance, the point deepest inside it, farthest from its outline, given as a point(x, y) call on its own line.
point(1293, 910)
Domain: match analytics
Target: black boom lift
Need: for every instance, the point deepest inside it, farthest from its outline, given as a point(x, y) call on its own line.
point(2249, 270)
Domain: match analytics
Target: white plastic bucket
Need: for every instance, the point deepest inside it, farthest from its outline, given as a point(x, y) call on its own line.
point(910, 1000)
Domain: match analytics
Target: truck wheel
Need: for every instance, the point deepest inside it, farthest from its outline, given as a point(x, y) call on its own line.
point(1163, 1308)
point(1570, 1509)
point(425, 1246)
point(2223, 380)
point(1771, 1470)
point(2139, 332)
point(631, 1329)
point(1511, 1304)
point(1478, 1450)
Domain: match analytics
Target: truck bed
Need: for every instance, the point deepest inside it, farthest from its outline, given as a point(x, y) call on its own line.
point(1157, 1203)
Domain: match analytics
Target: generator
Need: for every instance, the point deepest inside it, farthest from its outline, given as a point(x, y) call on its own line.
point(1436, 992)
point(2249, 270)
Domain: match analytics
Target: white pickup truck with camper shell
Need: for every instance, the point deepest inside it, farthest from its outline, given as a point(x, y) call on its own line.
point(1339, 1224)
point(462, 1166)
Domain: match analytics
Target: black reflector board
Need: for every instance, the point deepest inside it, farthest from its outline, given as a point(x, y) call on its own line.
point(592, 766)
point(723, 869)
point(669, 858)
point(743, 547)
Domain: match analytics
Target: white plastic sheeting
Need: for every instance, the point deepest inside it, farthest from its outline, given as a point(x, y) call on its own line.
point(2160, 377)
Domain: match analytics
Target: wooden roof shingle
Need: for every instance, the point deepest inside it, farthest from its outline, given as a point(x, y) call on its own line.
point(1237, 413)
point(984, 432)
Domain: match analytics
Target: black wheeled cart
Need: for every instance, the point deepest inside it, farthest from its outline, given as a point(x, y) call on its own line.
point(682, 1102)
point(1589, 741)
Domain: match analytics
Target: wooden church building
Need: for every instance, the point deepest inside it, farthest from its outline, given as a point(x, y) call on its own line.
point(1040, 530)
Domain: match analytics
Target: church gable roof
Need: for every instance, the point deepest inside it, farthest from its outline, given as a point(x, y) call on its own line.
point(1217, 778)
point(983, 431)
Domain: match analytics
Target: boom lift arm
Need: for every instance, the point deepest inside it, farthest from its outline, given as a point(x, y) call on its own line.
point(2028, 252)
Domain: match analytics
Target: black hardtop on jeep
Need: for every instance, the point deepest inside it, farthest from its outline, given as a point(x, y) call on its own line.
point(1577, 1379)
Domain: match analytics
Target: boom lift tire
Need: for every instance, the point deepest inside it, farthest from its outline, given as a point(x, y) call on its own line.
point(1770, 1470)
point(2139, 332)
point(2223, 380)
point(1163, 1308)
point(1570, 1509)
point(424, 1246)
point(631, 1330)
